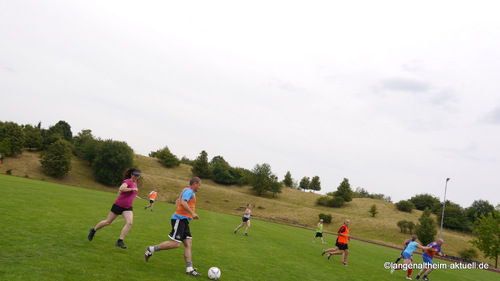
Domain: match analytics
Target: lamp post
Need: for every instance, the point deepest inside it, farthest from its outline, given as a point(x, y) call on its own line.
point(444, 202)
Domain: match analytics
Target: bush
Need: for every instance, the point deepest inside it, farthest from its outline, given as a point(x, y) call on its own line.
point(405, 206)
point(167, 158)
point(9, 172)
point(468, 253)
point(329, 201)
point(326, 218)
point(336, 202)
point(373, 210)
point(322, 201)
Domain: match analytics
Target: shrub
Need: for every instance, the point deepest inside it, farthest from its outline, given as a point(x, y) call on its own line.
point(468, 253)
point(373, 210)
point(403, 225)
point(329, 201)
point(405, 206)
point(336, 202)
point(326, 218)
point(322, 201)
point(9, 172)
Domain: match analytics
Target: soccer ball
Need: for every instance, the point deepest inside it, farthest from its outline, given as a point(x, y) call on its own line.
point(214, 273)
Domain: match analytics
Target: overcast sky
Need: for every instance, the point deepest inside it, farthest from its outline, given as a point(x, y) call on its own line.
point(396, 96)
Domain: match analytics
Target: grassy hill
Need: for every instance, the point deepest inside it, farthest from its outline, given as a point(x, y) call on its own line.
point(45, 227)
point(291, 207)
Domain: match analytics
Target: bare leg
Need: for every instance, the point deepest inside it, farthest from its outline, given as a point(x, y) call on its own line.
point(248, 226)
point(167, 245)
point(239, 226)
point(129, 220)
point(111, 217)
point(187, 249)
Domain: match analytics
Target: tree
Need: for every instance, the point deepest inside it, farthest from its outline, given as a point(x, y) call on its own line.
point(411, 226)
point(221, 171)
point(86, 146)
point(304, 183)
point(11, 138)
point(201, 167)
point(61, 130)
point(426, 228)
point(263, 180)
point(274, 186)
point(33, 137)
point(361, 193)
point(288, 181)
point(487, 229)
point(65, 129)
point(344, 190)
point(423, 201)
point(454, 217)
point(402, 224)
point(315, 184)
point(56, 160)
point(186, 161)
point(167, 158)
point(113, 158)
point(478, 208)
point(373, 210)
point(405, 206)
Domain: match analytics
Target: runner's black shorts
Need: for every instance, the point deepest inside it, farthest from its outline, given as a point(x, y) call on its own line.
point(118, 210)
point(180, 230)
point(319, 234)
point(341, 246)
point(244, 219)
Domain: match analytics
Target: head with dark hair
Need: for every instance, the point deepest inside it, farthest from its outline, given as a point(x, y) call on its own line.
point(414, 237)
point(194, 180)
point(131, 171)
point(195, 183)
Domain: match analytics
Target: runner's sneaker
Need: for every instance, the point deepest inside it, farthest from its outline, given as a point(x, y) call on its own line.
point(148, 254)
point(324, 251)
point(425, 278)
point(329, 255)
point(418, 277)
point(91, 234)
point(343, 263)
point(120, 244)
point(193, 272)
point(235, 231)
point(246, 234)
point(392, 270)
point(408, 278)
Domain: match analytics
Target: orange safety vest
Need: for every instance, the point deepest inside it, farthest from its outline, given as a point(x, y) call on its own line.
point(179, 210)
point(343, 239)
point(153, 195)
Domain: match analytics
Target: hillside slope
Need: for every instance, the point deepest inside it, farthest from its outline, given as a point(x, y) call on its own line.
point(291, 207)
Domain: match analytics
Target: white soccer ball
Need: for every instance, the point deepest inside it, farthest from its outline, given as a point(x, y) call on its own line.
point(214, 273)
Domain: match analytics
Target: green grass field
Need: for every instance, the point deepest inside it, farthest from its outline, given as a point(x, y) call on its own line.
point(44, 237)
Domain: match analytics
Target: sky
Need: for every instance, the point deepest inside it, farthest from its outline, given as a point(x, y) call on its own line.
point(396, 96)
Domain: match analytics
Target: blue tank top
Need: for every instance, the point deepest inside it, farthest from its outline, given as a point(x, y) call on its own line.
point(412, 246)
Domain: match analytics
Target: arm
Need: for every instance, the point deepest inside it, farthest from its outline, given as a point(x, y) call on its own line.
point(426, 248)
point(185, 205)
point(124, 188)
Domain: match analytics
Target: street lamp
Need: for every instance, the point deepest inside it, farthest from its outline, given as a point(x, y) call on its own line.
point(444, 202)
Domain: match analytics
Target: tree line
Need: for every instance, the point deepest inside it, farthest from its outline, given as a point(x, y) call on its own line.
point(109, 158)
